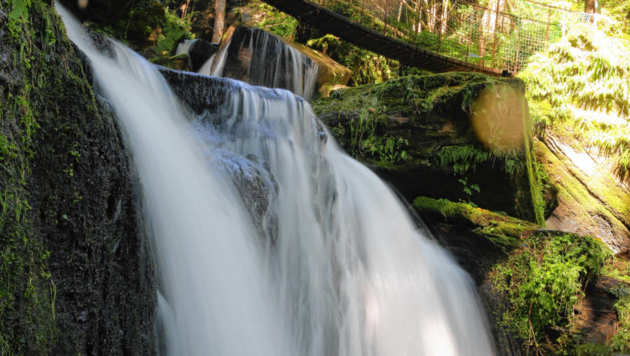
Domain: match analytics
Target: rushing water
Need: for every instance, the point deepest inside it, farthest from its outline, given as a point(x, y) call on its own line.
point(271, 62)
point(336, 268)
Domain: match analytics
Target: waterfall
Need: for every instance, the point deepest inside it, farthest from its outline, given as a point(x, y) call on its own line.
point(355, 276)
point(335, 266)
point(185, 47)
point(269, 61)
point(215, 289)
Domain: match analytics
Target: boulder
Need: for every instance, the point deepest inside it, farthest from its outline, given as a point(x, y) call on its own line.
point(506, 256)
point(443, 136)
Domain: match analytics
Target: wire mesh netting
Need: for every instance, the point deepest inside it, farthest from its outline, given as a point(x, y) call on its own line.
point(503, 34)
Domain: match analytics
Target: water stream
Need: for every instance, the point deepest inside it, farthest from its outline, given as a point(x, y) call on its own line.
point(333, 264)
point(270, 62)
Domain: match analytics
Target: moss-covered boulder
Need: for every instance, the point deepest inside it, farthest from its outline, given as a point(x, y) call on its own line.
point(443, 136)
point(548, 291)
point(76, 272)
point(178, 62)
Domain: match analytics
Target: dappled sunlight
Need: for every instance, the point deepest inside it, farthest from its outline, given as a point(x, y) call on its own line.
point(498, 118)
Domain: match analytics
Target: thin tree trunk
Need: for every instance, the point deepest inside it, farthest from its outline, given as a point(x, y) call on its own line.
point(219, 21)
point(184, 8)
point(590, 6)
point(483, 27)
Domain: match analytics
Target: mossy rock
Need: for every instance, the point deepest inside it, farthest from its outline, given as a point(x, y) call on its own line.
point(179, 62)
point(479, 238)
point(77, 273)
point(419, 133)
point(591, 199)
point(507, 256)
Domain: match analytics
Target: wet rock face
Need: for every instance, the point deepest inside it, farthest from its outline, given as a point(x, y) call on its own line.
point(101, 260)
point(200, 53)
point(591, 199)
point(257, 189)
point(81, 278)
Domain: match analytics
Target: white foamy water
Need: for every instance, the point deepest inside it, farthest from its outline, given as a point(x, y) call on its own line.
point(214, 280)
point(282, 65)
point(355, 276)
point(343, 272)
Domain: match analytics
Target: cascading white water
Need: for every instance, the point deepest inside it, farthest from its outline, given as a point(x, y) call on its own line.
point(345, 273)
point(185, 47)
point(354, 275)
point(272, 63)
point(214, 279)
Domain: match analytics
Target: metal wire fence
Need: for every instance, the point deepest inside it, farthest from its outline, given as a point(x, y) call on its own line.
point(502, 35)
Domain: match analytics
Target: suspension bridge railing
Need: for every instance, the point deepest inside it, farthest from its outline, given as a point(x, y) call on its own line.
point(490, 36)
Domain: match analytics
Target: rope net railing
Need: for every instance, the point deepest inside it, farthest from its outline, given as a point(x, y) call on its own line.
point(492, 36)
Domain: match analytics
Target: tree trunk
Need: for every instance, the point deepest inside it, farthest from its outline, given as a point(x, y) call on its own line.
point(184, 8)
point(219, 21)
point(590, 6)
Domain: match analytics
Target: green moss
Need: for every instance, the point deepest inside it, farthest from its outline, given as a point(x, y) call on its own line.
point(589, 196)
point(179, 62)
point(500, 229)
point(27, 291)
point(270, 19)
point(367, 67)
point(425, 122)
point(543, 280)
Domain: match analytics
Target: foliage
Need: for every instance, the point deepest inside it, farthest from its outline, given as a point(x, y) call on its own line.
point(19, 8)
point(619, 269)
point(148, 26)
point(173, 30)
point(275, 21)
point(466, 158)
point(544, 280)
point(619, 10)
point(364, 129)
point(582, 81)
point(368, 67)
point(621, 340)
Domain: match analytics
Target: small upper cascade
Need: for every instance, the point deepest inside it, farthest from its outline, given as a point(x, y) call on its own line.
point(185, 47)
point(260, 58)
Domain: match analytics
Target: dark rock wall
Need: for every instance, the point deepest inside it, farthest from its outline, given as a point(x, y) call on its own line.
point(76, 272)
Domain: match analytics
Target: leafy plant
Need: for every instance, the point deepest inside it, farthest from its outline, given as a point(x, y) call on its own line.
point(582, 81)
point(469, 188)
point(545, 280)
